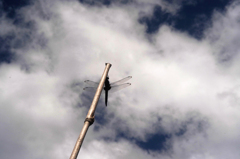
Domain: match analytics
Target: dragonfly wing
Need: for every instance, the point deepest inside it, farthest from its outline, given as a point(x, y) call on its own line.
point(121, 81)
point(119, 87)
point(91, 83)
point(90, 89)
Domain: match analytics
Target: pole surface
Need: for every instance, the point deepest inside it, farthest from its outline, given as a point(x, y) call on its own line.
point(90, 116)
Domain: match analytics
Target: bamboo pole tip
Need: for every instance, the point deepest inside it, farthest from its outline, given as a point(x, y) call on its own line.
point(108, 64)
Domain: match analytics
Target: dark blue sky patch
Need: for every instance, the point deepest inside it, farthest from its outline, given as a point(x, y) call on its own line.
point(192, 18)
point(158, 18)
point(5, 50)
point(10, 7)
point(195, 18)
point(15, 41)
point(6, 56)
point(155, 142)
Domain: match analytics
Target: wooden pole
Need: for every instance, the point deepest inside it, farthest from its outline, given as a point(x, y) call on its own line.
point(90, 116)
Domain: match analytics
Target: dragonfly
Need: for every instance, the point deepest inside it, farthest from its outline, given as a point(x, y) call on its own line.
point(112, 87)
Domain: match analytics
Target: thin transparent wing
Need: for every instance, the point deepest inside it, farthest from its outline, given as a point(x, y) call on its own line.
point(91, 83)
point(90, 89)
point(121, 81)
point(119, 87)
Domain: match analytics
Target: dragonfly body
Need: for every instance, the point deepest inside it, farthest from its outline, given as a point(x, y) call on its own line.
point(109, 87)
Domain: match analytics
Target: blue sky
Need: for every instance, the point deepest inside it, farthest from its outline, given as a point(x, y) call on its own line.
point(184, 58)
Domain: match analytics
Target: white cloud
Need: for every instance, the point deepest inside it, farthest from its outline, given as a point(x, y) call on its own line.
point(178, 85)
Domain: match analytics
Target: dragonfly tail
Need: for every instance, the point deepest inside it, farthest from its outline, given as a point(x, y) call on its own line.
point(106, 97)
